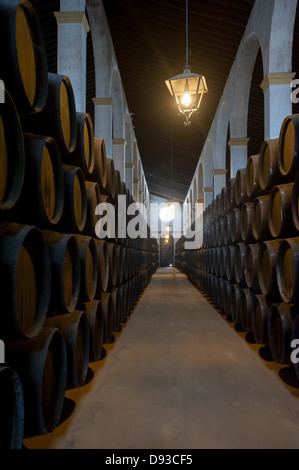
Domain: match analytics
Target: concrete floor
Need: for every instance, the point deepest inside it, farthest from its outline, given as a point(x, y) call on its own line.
point(179, 376)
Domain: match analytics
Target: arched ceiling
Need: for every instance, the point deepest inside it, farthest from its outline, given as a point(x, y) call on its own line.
point(150, 45)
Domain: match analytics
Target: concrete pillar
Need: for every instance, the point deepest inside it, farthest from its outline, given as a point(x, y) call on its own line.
point(209, 196)
point(238, 155)
point(119, 156)
point(73, 28)
point(219, 180)
point(277, 88)
point(130, 178)
point(136, 190)
point(103, 122)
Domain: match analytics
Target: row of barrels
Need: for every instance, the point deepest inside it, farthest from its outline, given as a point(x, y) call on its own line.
point(41, 367)
point(42, 186)
point(276, 164)
point(270, 216)
point(248, 263)
point(46, 273)
point(65, 291)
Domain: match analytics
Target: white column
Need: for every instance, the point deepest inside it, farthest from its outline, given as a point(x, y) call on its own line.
point(238, 155)
point(130, 178)
point(277, 101)
point(103, 122)
point(136, 190)
point(119, 156)
point(73, 28)
point(219, 180)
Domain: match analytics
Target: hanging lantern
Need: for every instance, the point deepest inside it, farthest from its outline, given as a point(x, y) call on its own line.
point(187, 88)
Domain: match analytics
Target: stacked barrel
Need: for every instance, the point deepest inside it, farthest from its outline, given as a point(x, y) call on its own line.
point(248, 265)
point(65, 291)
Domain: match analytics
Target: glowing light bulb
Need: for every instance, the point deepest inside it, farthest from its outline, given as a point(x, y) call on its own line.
point(186, 100)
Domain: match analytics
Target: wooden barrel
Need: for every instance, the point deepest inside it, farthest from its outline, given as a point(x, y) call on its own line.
point(58, 119)
point(267, 262)
point(12, 155)
point(113, 262)
point(230, 263)
point(220, 230)
point(288, 148)
point(221, 259)
point(23, 65)
point(246, 309)
point(125, 310)
point(224, 197)
point(26, 280)
point(269, 175)
point(235, 226)
point(231, 199)
point(280, 322)
point(93, 310)
point(260, 218)
point(227, 299)
point(123, 301)
point(89, 267)
point(251, 267)
point(261, 308)
point(108, 316)
point(76, 332)
point(65, 272)
point(240, 187)
point(227, 238)
point(93, 196)
point(74, 214)
point(109, 190)
point(295, 202)
point(246, 222)
point(99, 174)
point(41, 201)
point(103, 264)
point(120, 256)
point(83, 154)
point(126, 270)
point(41, 364)
point(117, 305)
point(252, 176)
point(235, 304)
point(288, 270)
point(294, 348)
point(280, 211)
point(11, 410)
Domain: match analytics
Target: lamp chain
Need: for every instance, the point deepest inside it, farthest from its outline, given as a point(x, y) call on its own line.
point(187, 46)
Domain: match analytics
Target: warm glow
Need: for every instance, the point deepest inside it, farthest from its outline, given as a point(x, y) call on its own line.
point(166, 214)
point(186, 100)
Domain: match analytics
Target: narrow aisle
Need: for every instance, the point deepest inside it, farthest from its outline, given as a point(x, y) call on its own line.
point(178, 377)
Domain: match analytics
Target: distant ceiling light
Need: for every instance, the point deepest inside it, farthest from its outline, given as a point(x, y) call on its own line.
point(167, 214)
point(187, 88)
